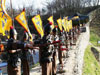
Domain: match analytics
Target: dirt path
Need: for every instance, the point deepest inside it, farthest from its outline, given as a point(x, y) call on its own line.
point(83, 42)
point(74, 63)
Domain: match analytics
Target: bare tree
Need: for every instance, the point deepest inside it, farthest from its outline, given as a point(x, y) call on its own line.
point(70, 6)
point(29, 10)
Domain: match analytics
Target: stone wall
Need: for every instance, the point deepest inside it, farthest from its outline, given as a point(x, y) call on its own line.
point(96, 53)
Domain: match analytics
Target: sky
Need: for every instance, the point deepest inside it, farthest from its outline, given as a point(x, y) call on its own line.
point(20, 3)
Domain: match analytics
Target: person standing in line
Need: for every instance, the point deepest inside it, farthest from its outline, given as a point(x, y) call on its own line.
point(54, 63)
point(46, 52)
point(24, 56)
point(13, 49)
point(13, 61)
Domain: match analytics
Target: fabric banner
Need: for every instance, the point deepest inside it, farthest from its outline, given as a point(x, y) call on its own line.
point(75, 17)
point(22, 20)
point(67, 27)
point(69, 23)
point(50, 19)
point(64, 24)
point(5, 16)
point(2, 24)
point(59, 21)
point(5, 20)
point(38, 24)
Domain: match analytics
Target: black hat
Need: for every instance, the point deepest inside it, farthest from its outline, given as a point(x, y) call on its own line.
point(55, 29)
point(47, 28)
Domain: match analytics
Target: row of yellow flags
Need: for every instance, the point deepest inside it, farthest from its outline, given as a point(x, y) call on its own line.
point(67, 25)
point(37, 21)
point(6, 21)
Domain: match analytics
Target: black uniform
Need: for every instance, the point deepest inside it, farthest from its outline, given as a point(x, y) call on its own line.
point(13, 58)
point(24, 61)
point(46, 55)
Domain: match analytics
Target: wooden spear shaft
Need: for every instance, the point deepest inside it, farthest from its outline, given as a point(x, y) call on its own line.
point(12, 14)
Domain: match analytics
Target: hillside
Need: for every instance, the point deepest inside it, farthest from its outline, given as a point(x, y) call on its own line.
point(91, 58)
point(95, 26)
point(74, 63)
point(91, 65)
point(95, 22)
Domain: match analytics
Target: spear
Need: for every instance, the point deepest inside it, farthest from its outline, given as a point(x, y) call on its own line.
point(12, 13)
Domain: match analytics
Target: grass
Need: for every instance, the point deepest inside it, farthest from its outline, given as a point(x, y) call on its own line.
point(91, 65)
point(94, 37)
point(34, 65)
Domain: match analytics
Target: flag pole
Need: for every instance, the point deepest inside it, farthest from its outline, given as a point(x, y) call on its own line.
point(12, 14)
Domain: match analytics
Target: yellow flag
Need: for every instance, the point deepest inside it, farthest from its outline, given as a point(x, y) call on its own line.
point(2, 26)
point(8, 24)
point(38, 24)
point(2, 23)
point(22, 20)
point(69, 24)
point(5, 20)
point(1, 20)
point(66, 23)
point(67, 27)
point(50, 19)
point(5, 16)
point(75, 17)
point(59, 21)
point(63, 24)
point(66, 18)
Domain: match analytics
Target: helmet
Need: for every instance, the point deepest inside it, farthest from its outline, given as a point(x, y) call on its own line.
point(47, 28)
point(12, 32)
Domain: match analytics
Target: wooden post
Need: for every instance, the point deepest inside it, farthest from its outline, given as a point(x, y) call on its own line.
point(12, 14)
